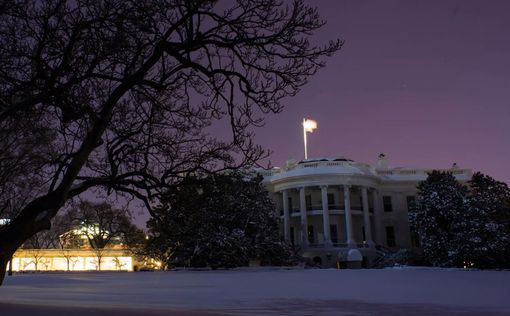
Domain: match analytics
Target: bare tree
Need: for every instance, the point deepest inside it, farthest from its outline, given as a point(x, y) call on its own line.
point(62, 225)
point(36, 245)
point(123, 94)
point(103, 226)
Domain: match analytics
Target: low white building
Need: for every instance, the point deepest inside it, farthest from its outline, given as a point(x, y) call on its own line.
point(73, 260)
point(337, 209)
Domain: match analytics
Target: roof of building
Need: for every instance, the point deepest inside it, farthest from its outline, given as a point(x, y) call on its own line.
point(345, 166)
point(321, 166)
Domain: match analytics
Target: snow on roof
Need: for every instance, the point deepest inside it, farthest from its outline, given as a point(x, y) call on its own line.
point(345, 166)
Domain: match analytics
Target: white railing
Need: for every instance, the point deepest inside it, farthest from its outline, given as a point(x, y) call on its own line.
point(338, 245)
point(362, 166)
point(421, 171)
point(325, 163)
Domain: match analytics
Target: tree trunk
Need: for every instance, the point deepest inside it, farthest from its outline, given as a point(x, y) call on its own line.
point(11, 238)
point(10, 266)
point(4, 259)
point(35, 217)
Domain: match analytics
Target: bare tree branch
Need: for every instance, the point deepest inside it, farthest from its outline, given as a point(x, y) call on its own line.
point(125, 95)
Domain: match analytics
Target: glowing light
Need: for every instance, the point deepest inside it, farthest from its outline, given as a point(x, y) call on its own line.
point(71, 260)
point(308, 127)
point(4, 221)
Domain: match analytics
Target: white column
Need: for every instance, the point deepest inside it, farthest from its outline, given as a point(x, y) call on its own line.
point(325, 216)
point(286, 216)
point(378, 226)
point(304, 220)
point(366, 217)
point(348, 217)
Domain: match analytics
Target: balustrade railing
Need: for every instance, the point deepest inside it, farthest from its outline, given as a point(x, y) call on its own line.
point(293, 210)
point(318, 207)
point(363, 166)
point(338, 245)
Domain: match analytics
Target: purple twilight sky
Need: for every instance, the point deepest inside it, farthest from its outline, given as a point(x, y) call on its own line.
point(425, 82)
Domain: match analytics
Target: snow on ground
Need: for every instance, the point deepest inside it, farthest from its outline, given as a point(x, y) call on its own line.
point(268, 292)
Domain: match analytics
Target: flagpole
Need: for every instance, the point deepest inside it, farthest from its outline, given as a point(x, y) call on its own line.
point(304, 137)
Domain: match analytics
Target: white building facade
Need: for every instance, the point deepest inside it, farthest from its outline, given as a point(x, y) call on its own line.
point(332, 206)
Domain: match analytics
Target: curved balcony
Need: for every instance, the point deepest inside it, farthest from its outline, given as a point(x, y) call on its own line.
point(316, 209)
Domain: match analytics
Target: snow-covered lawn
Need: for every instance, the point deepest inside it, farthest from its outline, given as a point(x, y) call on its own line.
point(411, 291)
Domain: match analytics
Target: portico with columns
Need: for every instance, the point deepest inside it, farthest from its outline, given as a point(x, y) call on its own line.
point(326, 216)
point(330, 206)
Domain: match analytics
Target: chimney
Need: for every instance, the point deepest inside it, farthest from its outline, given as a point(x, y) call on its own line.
point(290, 163)
point(382, 162)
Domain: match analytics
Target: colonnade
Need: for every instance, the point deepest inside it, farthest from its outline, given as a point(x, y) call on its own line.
point(351, 242)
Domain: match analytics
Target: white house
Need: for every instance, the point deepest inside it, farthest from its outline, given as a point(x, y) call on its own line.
point(339, 209)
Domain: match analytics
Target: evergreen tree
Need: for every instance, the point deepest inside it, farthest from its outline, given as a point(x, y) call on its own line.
point(489, 201)
point(217, 221)
point(463, 225)
point(438, 216)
